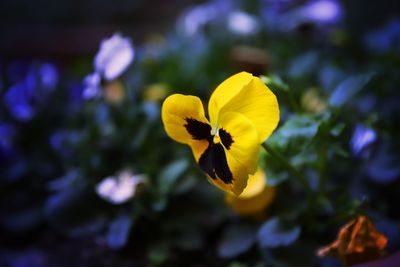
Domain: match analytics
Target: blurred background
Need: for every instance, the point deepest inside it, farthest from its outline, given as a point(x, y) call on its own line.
point(88, 177)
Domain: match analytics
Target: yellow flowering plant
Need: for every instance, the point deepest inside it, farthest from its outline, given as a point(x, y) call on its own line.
point(243, 112)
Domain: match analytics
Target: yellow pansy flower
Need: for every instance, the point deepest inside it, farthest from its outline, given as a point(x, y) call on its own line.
point(243, 112)
point(255, 197)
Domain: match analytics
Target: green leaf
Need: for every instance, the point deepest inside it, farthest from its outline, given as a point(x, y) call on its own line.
point(337, 129)
point(349, 88)
point(299, 128)
point(118, 232)
point(273, 233)
point(303, 65)
point(275, 82)
point(275, 179)
point(171, 173)
point(237, 239)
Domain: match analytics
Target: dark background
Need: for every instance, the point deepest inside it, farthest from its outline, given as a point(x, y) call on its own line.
point(61, 29)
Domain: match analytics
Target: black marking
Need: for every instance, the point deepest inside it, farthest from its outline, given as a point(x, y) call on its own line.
point(226, 138)
point(197, 129)
point(213, 161)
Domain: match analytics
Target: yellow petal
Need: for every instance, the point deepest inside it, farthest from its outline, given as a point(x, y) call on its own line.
point(248, 95)
point(243, 142)
point(176, 110)
point(257, 102)
point(198, 148)
point(255, 185)
point(255, 198)
point(239, 174)
point(225, 92)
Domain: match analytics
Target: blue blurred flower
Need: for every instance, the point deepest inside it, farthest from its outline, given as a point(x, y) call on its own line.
point(383, 167)
point(48, 74)
point(385, 39)
point(362, 138)
point(114, 56)
point(23, 98)
point(7, 132)
point(20, 99)
point(92, 86)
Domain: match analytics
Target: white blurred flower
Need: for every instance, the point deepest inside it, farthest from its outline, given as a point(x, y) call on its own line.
point(114, 56)
point(242, 23)
point(91, 86)
point(120, 188)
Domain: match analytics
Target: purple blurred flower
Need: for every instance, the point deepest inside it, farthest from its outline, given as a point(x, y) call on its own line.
point(319, 12)
point(194, 20)
point(322, 11)
point(385, 39)
point(242, 23)
point(361, 139)
point(114, 56)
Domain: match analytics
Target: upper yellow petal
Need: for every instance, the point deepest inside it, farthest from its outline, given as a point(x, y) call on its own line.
point(244, 145)
point(225, 92)
point(257, 102)
point(176, 109)
point(248, 95)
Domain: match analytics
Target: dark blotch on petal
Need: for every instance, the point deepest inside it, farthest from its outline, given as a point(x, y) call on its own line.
point(214, 163)
point(197, 129)
point(226, 138)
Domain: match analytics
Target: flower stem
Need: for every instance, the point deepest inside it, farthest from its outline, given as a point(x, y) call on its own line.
point(288, 166)
point(311, 204)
